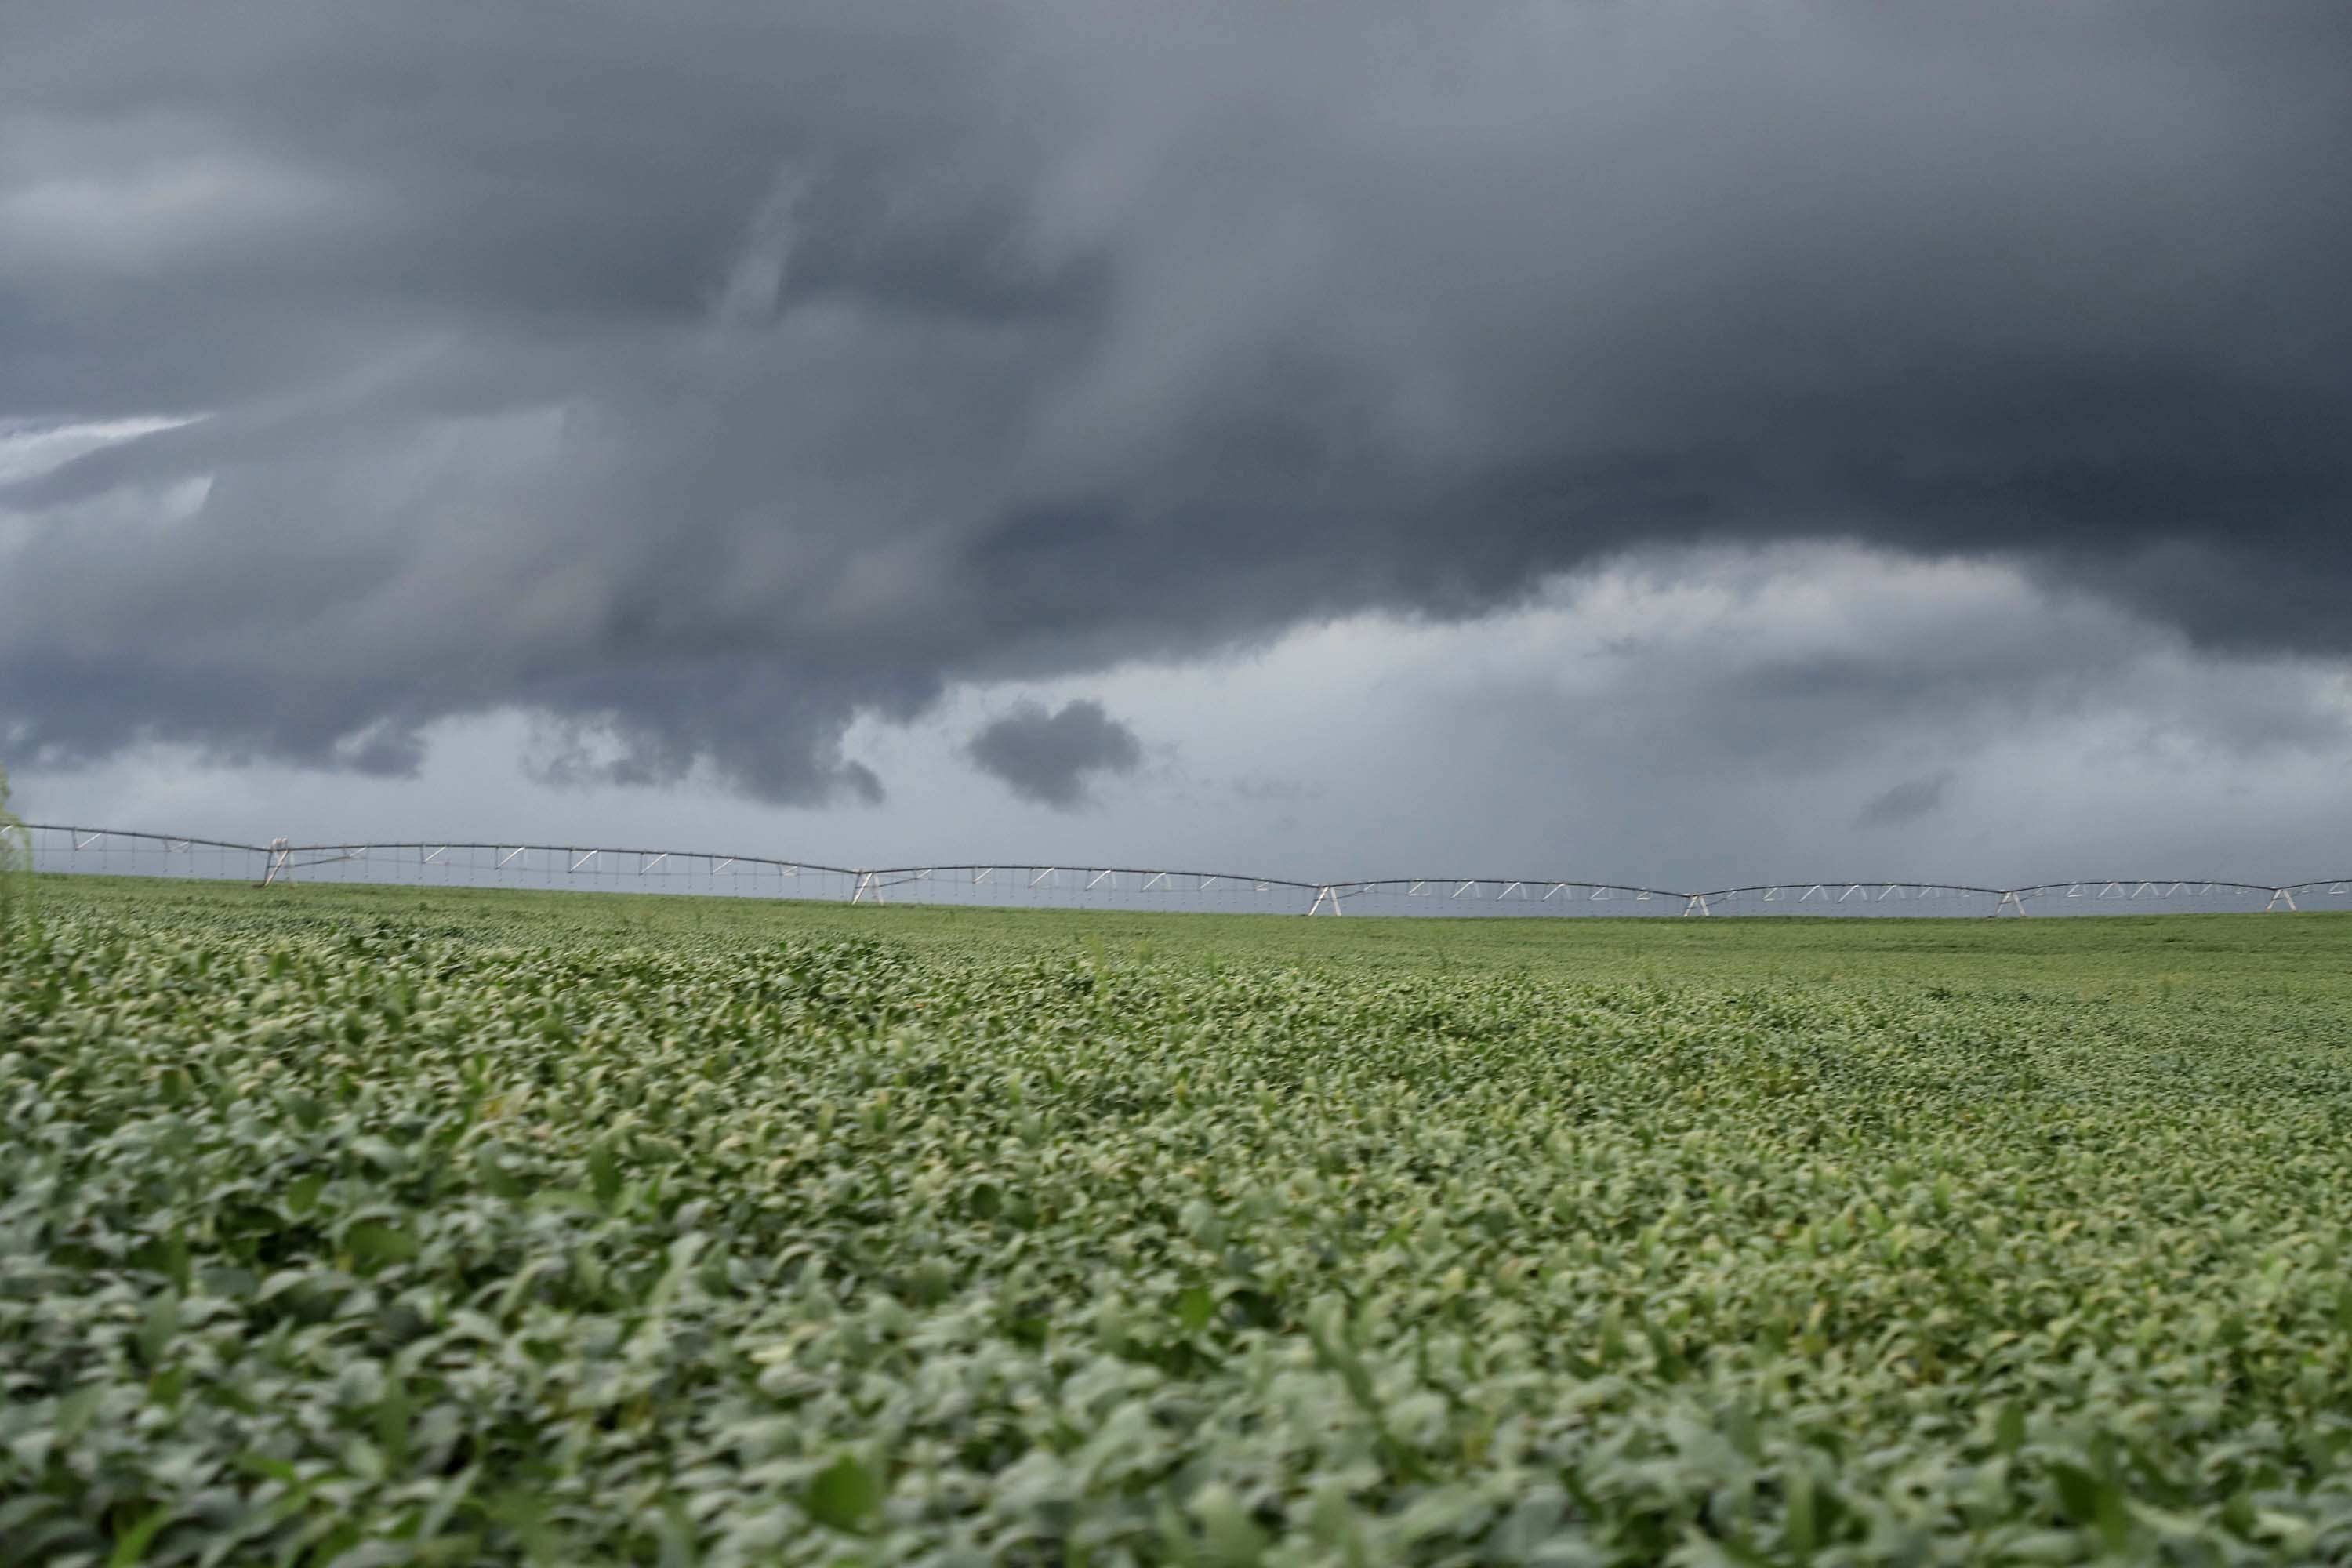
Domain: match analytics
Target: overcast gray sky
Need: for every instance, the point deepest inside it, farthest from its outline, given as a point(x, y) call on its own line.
point(1670, 441)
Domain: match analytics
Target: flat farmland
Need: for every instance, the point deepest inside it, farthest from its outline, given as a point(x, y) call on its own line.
point(370, 1227)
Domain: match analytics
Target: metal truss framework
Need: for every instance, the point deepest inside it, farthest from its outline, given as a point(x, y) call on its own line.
point(68, 848)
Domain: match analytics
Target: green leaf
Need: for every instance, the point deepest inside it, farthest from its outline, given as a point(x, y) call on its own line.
point(2078, 1492)
point(1803, 1533)
point(1194, 1307)
point(843, 1495)
point(302, 1193)
point(604, 1174)
point(374, 1246)
point(132, 1544)
point(2009, 1430)
point(166, 1386)
point(20, 1511)
point(1234, 1537)
point(436, 1514)
point(2095, 1503)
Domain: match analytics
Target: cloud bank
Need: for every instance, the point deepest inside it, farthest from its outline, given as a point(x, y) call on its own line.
point(1678, 720)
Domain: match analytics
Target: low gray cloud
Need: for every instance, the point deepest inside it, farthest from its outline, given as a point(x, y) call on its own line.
point(1905, 802)
point(1051, 757)
point(703, 385)
point(1639, 723)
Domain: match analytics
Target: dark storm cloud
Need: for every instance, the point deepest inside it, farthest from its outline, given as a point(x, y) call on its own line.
point(1050, 757)
point(1905, 802)
point(697, 382)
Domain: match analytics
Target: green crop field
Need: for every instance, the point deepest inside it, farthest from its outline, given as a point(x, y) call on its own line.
point(372, 1226)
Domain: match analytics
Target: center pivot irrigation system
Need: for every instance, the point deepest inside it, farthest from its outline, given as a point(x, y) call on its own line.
point(65, 850)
